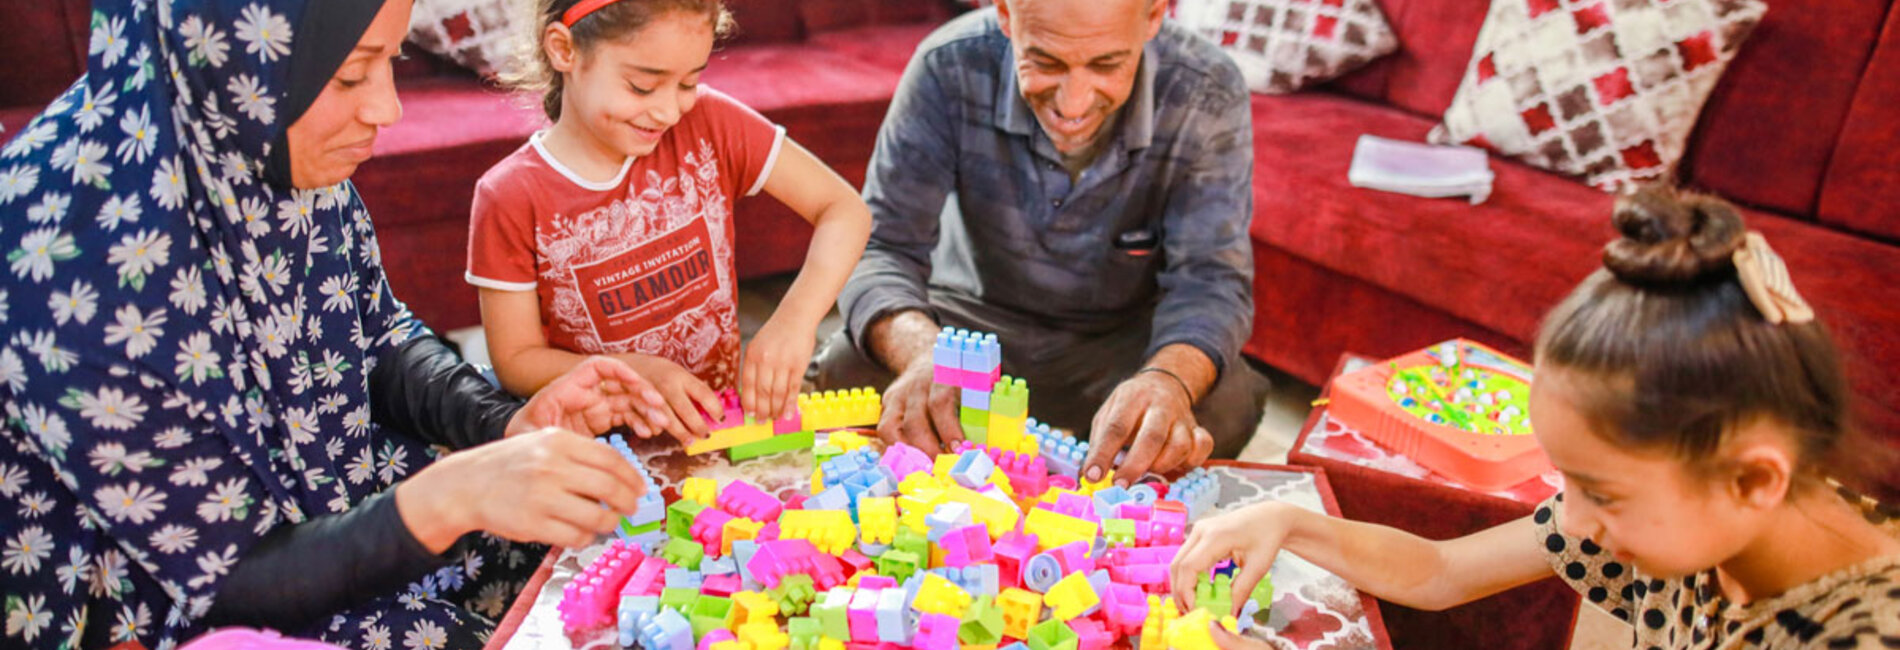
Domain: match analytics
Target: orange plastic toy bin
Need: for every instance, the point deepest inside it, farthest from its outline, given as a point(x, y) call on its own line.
point(1484, 387)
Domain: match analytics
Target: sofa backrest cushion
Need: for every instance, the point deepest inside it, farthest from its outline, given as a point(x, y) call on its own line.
point(764, 21)
point(44, 46)
point(832, 15)
point(1859, 191)
point(1768, 133)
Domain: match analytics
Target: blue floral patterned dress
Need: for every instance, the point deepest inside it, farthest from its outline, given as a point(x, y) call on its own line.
point(185, 350)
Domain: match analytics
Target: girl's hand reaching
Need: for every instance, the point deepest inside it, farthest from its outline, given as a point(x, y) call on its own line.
point(774, 368)
point(1251, 537)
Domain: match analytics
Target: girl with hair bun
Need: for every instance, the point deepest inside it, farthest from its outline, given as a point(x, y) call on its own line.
point(1697, 410)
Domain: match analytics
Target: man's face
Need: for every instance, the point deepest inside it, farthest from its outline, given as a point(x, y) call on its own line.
point(1076, 60)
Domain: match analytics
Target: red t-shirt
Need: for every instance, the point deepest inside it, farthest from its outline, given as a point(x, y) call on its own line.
point(642, 263)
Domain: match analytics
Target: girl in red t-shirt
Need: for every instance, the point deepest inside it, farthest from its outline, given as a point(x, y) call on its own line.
point(611, 231)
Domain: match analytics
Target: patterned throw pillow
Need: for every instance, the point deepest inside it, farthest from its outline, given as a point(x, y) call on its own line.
point(1283, 45)
point(1605, 89)
point(476, 34)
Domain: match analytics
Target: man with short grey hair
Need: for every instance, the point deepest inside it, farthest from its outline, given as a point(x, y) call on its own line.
point(1074, 176)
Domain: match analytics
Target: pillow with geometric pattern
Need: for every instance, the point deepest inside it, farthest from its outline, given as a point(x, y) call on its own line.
point(476, 34)
point(1607, 90)
point(1282, 46)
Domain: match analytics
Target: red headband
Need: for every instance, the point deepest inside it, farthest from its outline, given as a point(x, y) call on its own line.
point(580, 10)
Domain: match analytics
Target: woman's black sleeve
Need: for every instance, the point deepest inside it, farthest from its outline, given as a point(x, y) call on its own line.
point(298, 574)
point(424, 389)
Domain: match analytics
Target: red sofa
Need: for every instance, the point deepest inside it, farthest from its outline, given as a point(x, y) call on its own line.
point(1804, 132)
point(825, 69)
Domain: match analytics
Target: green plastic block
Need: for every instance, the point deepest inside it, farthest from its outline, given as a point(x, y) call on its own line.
point(682, 553)
point(898, 565)
point(679, 518)
point(1263, 593)
point(833, 615)
point(679, 599)
point(825, 452)
point(804, 631)
point(1052, 635)
point(976, 423)
point(909, 541)
point(710, 613)
point(1216, 595)
point(1119, 532)
point(774, 445)
point(794, 594)
point(982, 623)
point(642, 529)
point(1010, 398)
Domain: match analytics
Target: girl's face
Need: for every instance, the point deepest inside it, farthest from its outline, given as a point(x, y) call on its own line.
point(628, 91)
point(338, 131)
point(1645, 507)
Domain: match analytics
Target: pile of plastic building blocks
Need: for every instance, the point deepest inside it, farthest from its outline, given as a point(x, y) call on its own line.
point(998, 545)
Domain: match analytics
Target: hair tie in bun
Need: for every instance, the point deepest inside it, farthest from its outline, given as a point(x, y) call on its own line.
point(1765, 277)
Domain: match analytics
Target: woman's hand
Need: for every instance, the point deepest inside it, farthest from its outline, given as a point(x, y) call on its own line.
point(774, 368)
point(683, 395)
point(1230, 641)
point(595, 396)
point(544, 486)
point(1251, 537)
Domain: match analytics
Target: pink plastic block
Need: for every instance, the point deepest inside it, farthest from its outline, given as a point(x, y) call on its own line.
point(966, 546)
point(745, 500)
point(716, 636)
point(1027, 474)
point(1074, 557)
point(779, 558)
point(903, 460)
point(709, 527)
point(1061, 481)
point(1134, 511)
point(770, 531)
point(876, 582)
point(936, 631)
point(857, 561)
point(826, 571)
point(791, 422)
point(862, 615)
point(732, 416)
point(589, 600)
point(1074, 505)
point(722, 586)
point(647, 580)
point(1090, 635)
point(1015, 548)
point(1124, 607)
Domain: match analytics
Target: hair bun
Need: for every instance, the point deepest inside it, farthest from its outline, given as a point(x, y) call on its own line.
point(1671, 237)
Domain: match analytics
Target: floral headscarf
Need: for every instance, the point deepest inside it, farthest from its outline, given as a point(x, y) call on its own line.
point(184, 347)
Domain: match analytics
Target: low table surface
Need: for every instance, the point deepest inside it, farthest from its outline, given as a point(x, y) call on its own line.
point(1312, 609)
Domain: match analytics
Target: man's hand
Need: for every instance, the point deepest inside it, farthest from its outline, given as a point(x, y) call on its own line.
point(920, 412)
point(1154, 411)
point(595, 396)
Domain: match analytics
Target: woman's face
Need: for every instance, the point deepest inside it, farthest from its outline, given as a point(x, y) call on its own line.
point(338, 132)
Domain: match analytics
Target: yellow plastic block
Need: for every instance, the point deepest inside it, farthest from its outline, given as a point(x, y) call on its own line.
point(877, 519)
point(1189, 632)
point(730, 645)
point(764, 635)
point(999, 517)
point(914, 508)
point(847, 441)
point(829, 530)
point(1022, 609)
point(703, 491)
point(920, 484)
point(817, 481)
point(733, 437)
point(1088, 488)
point(738, 528)
point(1160, 614)
point(837, 409)
point(1055, 529)
point(1006, 433)
point(828, 643)
point(755, 607)
point(1071, 596)
point(944, 464)
point(1001, 481)
point(938, 595)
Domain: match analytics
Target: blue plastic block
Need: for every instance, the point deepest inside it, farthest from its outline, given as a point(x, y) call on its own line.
point(742, 552)
point(893, 620)
point(723, 566)
point(835, 497)
point(975, 399)
point(678, 578)
point(973, 469)
point(947, 517)
point(666, 630)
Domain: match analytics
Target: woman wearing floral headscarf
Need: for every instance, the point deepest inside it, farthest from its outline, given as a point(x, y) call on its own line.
point(215, 410)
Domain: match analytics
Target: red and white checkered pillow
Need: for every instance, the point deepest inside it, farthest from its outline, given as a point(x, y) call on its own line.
point(1283, 45)
point(477, 34)
point(1604, 89)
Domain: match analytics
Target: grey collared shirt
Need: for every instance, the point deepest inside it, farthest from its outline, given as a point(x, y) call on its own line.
point(968, 196)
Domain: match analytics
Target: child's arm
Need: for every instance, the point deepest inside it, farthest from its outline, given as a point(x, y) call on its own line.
point(774, 365)
point(525, 362)
point(1391, 564)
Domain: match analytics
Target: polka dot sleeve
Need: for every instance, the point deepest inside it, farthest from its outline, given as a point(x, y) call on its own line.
point(1606, 583)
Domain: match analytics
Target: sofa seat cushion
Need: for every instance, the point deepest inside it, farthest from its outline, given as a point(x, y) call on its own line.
point(887, 47)
point(1501, 265)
